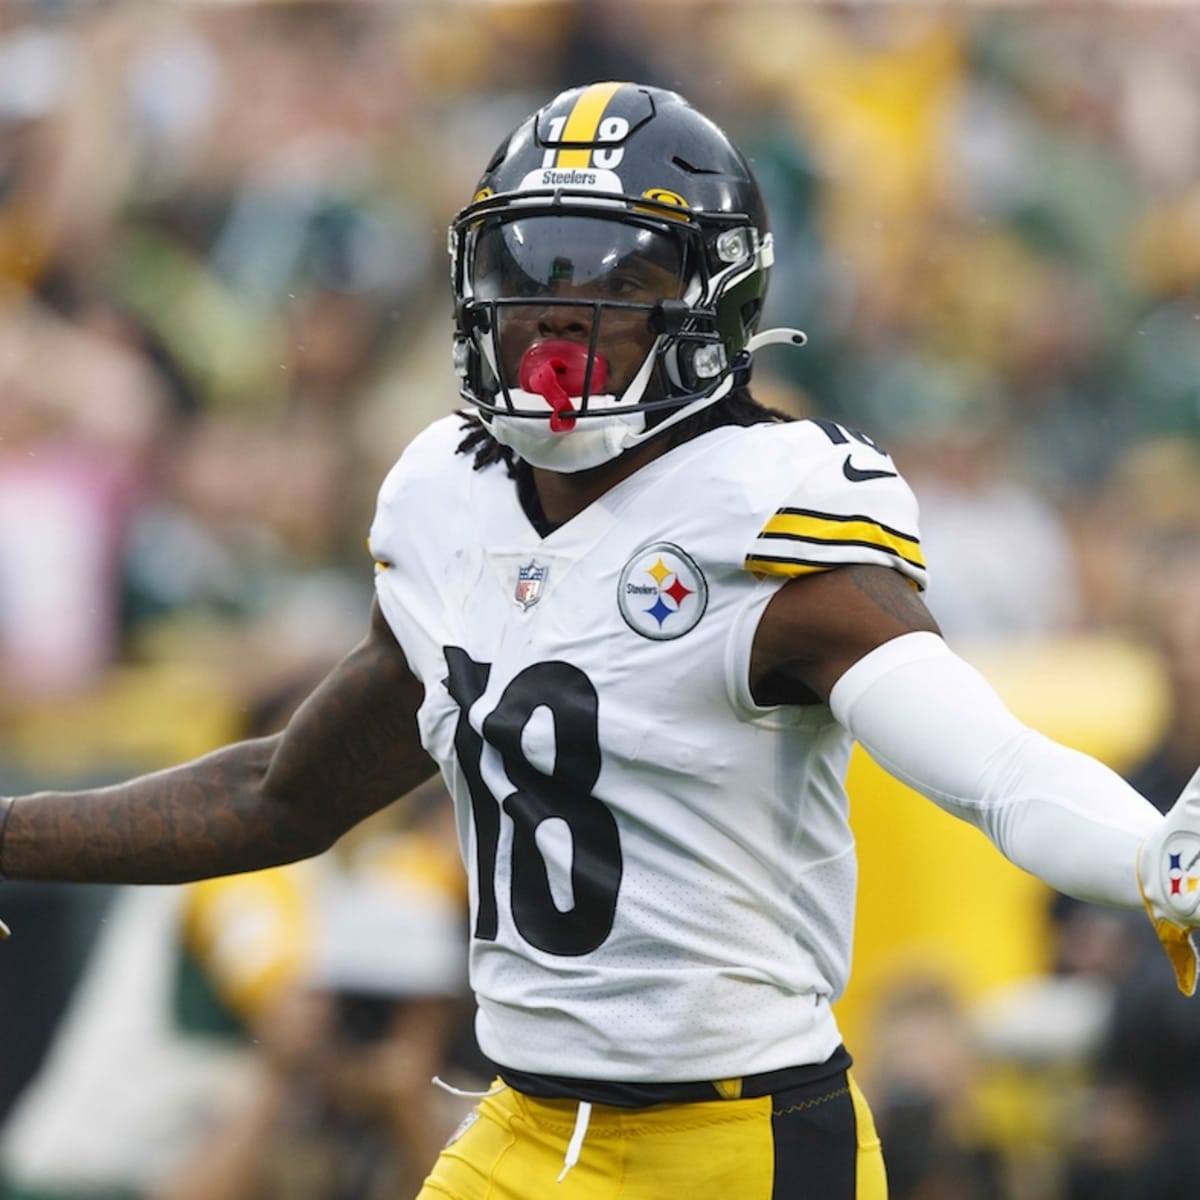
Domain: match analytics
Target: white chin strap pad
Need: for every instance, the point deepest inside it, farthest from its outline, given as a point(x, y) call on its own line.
point(593, 441)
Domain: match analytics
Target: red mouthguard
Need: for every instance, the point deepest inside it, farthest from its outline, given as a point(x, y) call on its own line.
point(555, 370)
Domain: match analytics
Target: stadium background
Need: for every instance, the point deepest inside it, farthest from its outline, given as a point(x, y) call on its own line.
point(224, 310)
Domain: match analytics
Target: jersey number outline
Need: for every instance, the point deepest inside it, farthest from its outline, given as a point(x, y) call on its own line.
point(565, 793)
point(840, 435)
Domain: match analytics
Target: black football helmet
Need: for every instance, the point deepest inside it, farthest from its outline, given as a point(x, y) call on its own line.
point(643, 206)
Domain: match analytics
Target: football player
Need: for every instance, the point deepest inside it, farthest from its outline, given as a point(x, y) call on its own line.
point(636, 620)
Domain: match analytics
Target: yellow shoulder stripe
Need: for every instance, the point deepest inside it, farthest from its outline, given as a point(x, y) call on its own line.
point(832, 530)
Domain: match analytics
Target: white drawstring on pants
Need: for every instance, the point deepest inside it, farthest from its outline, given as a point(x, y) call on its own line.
point(575, 1145)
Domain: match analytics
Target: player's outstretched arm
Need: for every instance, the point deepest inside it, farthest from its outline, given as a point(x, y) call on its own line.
point(859, 638)
point(350, 749)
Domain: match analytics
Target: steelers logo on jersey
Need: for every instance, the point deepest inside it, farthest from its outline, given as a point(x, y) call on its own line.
point(661, 593)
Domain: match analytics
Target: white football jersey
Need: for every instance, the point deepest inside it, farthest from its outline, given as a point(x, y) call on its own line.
point(662, 873)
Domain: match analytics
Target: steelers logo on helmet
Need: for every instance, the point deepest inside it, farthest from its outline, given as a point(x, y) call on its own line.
point(661, 592)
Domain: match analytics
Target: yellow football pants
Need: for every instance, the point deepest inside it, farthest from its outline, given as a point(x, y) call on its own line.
point(816, 1143)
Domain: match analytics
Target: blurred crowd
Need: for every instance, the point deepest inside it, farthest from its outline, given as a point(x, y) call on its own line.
point(224, 310)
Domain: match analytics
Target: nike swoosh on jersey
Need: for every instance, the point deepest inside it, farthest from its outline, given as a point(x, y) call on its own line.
point(858, 475)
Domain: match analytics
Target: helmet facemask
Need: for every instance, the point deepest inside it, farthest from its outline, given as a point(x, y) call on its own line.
point(598, 319)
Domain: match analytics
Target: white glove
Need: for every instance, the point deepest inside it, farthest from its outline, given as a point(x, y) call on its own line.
point(1169, 876)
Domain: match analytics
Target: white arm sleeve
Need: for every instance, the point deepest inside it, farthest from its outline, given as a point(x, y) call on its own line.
point(931, 720)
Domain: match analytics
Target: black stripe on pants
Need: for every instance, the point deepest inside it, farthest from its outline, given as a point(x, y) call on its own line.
point(815, 1134)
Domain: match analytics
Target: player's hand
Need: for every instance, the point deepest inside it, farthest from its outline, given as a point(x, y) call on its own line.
point(1169, 876)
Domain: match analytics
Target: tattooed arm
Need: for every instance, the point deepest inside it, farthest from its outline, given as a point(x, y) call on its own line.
point(817, 626)
point(350, 749)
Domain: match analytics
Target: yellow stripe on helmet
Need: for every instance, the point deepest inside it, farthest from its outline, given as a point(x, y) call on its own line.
point(583, 122)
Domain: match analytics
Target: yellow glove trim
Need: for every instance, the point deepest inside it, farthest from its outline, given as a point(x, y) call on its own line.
point(1176, 941)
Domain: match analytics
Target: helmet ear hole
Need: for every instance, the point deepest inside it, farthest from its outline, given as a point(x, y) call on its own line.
point(694, 366)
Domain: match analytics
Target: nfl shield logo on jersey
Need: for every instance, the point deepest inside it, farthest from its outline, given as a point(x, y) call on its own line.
point(529, 584)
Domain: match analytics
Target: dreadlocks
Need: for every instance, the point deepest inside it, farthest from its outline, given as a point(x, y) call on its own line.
point(738, 408)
